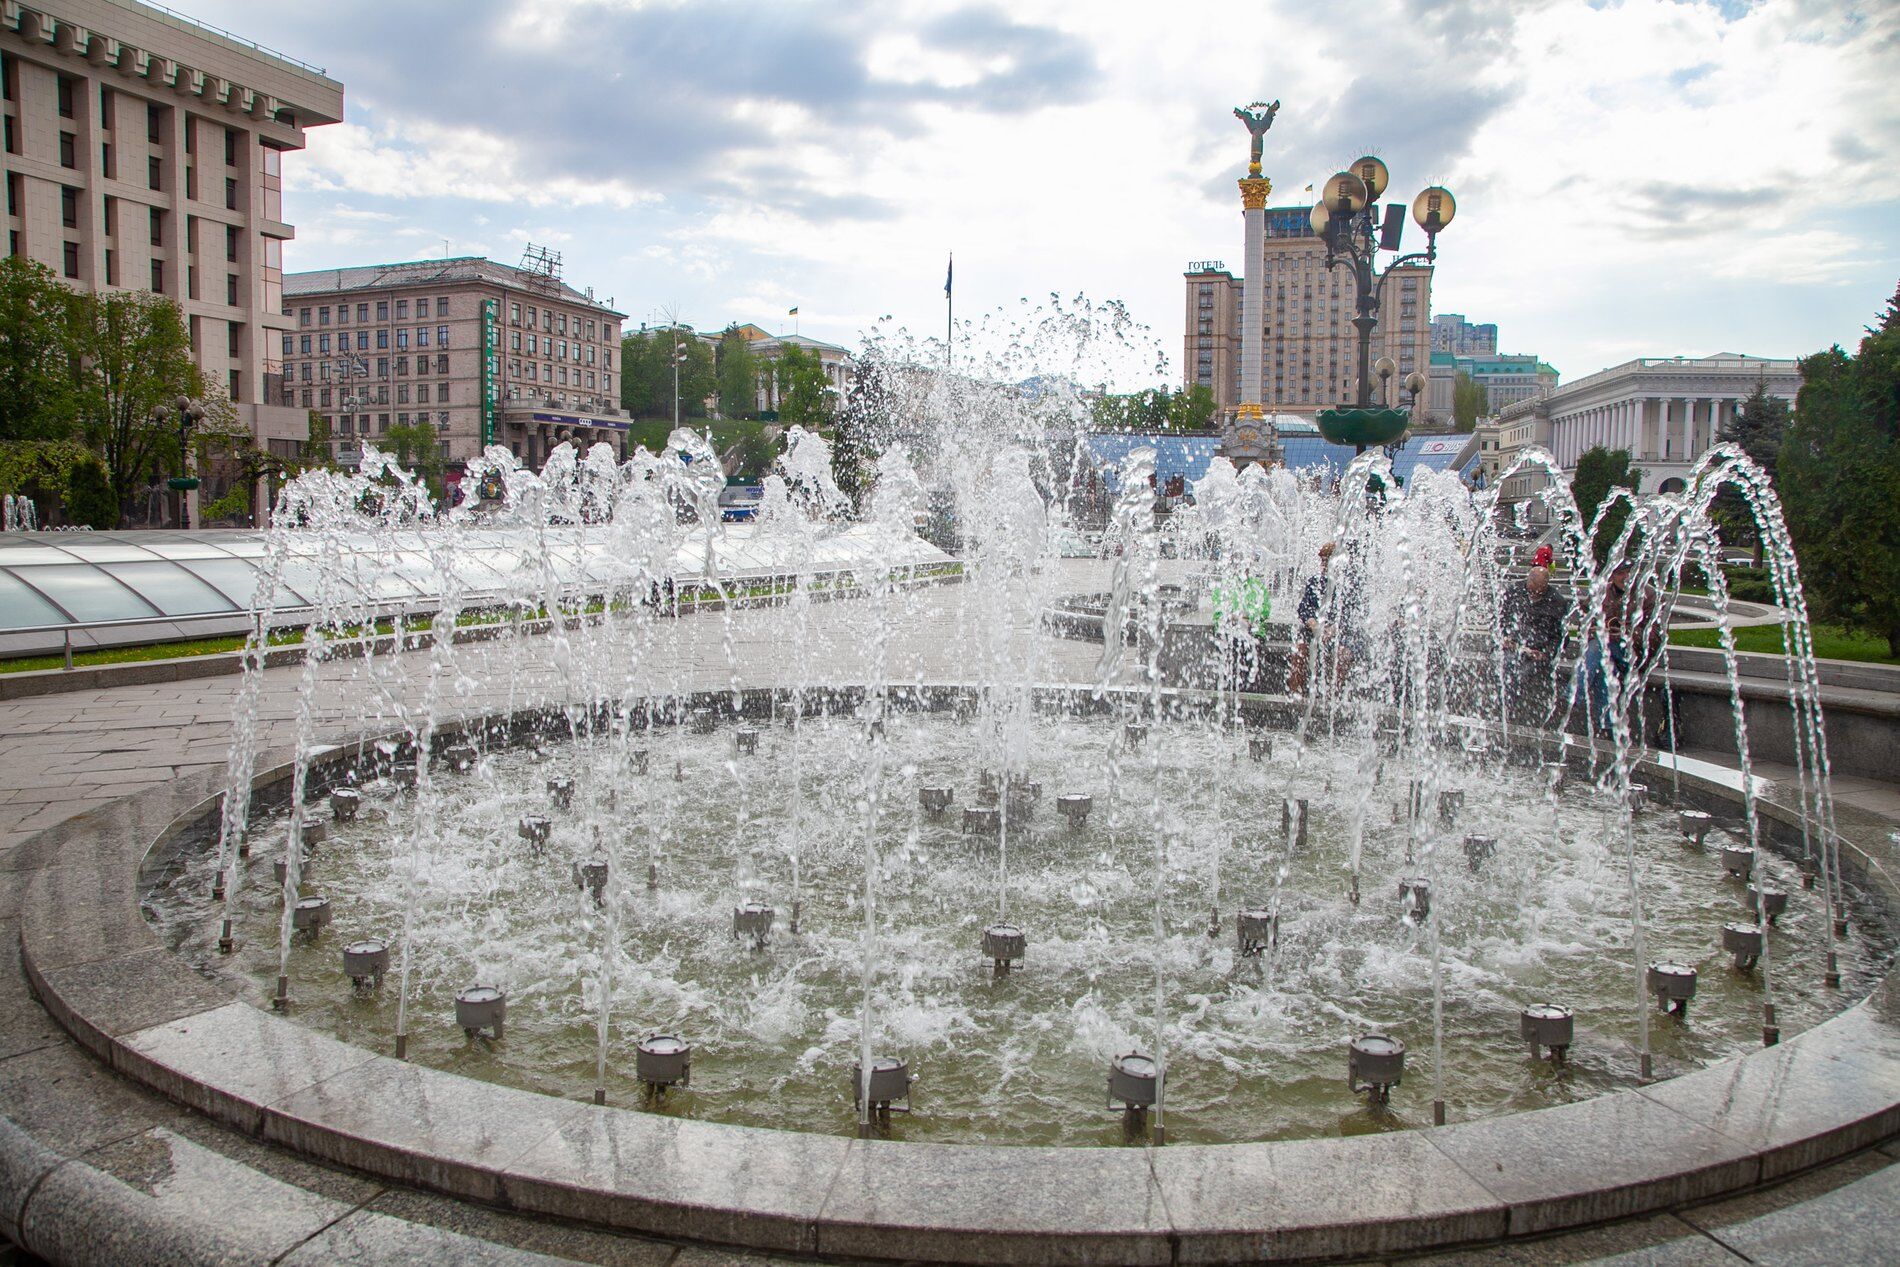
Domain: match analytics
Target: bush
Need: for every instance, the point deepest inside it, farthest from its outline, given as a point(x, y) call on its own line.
point(89, 499)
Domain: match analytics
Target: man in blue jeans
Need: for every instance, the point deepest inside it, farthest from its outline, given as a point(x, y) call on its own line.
point(1618, 618)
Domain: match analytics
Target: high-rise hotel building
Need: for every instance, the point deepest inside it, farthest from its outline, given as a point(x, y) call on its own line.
point(1309, 347)
point(145, 151)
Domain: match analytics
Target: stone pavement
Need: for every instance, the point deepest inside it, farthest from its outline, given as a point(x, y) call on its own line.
point(124, 1176)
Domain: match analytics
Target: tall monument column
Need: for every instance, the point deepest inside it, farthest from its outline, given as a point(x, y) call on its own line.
point(1248, 436)
point(1254, 189)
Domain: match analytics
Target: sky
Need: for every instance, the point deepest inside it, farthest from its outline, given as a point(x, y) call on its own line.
point(1634, 177)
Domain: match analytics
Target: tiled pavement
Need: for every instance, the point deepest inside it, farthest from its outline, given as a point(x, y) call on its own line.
point(111, 1148)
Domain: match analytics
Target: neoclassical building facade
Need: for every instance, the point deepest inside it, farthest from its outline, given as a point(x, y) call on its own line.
point(1667, 411)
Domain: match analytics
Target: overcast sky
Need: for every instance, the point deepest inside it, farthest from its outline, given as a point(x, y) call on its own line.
point(1643, 178)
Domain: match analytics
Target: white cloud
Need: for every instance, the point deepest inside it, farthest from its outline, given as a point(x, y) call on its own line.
point(1634, 177)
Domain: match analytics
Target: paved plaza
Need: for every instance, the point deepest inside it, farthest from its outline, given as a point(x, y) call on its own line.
point(129, 1161)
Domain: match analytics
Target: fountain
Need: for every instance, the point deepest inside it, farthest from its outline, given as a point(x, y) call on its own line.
point(497, 819)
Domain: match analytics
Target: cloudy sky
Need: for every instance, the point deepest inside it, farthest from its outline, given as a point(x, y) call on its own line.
point(1635, 177)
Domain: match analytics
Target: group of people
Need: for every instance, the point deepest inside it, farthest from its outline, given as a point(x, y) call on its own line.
point(1534, 624)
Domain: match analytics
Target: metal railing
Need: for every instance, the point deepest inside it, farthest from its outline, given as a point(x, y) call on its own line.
point(221, 33)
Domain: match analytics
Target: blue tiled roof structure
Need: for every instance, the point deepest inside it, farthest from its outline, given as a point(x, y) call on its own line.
point(1189, 456)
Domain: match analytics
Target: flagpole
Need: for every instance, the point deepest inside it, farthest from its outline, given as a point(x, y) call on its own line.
point(949, 313)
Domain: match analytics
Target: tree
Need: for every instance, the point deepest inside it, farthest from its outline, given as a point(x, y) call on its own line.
point(864, 427)
point(1839, 476)
point(37, 393)
point(1469, 402)
point(1598, 471)
point(751, 453)
point(316, 449)
point(134, 356)
point(805, 396)
point(1759, 427)
point(88, 494)
point(698, 377)
point(736, 378)
point(1192, 409)
point(418, 448)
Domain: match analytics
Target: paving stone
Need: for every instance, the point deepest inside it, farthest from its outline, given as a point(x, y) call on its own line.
point(103, 998)
point(537, 1235)
point(367, 1238)
point(234, 1060)
point(1302, 1197)
point(995, 1205)
point(417, 1125)
point(71, 1103)
point(82, 1215)
point(678, 1178)
point(24, 1024)
point(1856, 1223)
point(216, 1178)
point(1620, 1154)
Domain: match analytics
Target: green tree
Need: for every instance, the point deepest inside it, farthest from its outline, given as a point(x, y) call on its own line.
point(1192, 409)
point(736, 377)
point(419, 449)
point(805, 396)
point(699, 380)
point(1468, 402)
point(751, 453)
point(1598, 471)
point(1839, 476)
point(316, 449)
point(37, 390)
point(1758, 427)
point(865, 425)
point(134, 356)
point(88, 494)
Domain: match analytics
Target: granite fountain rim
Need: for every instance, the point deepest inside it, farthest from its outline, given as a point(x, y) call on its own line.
point(103, 973)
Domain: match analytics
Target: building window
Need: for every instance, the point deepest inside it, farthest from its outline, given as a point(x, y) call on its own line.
point(382, 338)
point(382, 312)
point(441, 336)
point(402, 393)
point(230, 148)
point(158, 277)
point(343, 314)
point(72, 259)
point(422, 307)
point(402, 337)
point(514, 341)
point(422, 336)
point(67, 152)
point(422, 393)
point(303, 373)
point(323, 316)
point(362, 340)
point(402, 310)
point(231, 243)
point(13, 135)
point(514, 314)
point(362, 312)
point(402, 366)
point(323, 344)
point(231, 289)
point(441, 363)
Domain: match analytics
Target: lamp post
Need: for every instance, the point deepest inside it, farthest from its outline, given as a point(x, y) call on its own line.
point(189, 413)
point(679, 356)
point(1347, 218)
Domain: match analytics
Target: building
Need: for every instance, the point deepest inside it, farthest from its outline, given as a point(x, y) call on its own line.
point(1502, 439)
point(1210, 340)
point(1666, 411)
point(486, 353)
point(143, 151)
point(1308, 347)
point(1452, 333)
point(836, 360)
point(1507, 378)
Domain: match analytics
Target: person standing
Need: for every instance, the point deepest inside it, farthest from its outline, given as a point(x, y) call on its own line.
point(1531, 636)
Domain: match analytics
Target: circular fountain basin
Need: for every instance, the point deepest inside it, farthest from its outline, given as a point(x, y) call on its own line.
point(1253, 1039)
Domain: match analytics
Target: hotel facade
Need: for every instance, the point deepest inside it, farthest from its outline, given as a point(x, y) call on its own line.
point(485, 353)
point(145, 152)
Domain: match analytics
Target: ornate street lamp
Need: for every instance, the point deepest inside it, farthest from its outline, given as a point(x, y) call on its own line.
point(190, 413)
point(1347, 218)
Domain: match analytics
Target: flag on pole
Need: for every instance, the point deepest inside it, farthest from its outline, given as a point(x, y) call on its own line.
point(792, 313)
point(949, 269)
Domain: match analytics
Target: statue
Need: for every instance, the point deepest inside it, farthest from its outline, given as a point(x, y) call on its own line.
point(1258, 117)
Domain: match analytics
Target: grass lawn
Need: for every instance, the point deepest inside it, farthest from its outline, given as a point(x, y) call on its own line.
point(1831, 642)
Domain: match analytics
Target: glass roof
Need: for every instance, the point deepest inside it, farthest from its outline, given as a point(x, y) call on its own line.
point(59, 578)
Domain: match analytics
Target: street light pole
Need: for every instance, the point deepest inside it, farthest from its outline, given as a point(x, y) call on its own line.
point(679, 355)
point(1346, 218)
point(190, 413)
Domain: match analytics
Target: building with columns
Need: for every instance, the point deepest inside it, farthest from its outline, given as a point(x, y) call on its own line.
point(1666, 411)
point(144, 151)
